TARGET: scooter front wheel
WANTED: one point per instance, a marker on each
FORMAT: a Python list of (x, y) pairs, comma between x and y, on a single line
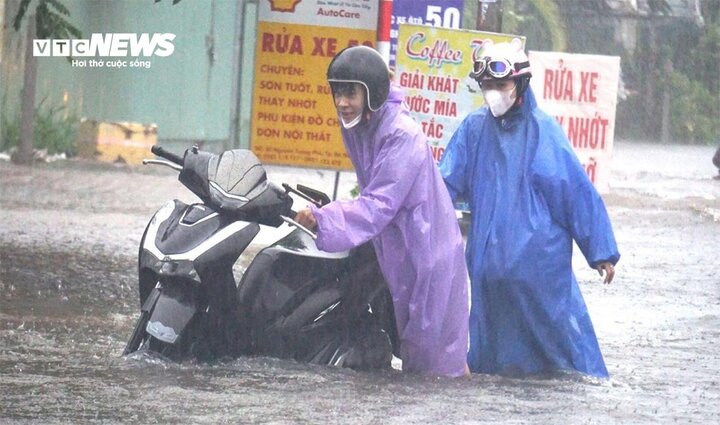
[(161, 348), (143, 341), (138, 333)]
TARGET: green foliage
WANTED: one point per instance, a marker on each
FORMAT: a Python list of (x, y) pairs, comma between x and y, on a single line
[(631, 120), (54, 128), (10, 135), (671, 56), (539, 20), (693, 110), (695, 87), (50, 19)]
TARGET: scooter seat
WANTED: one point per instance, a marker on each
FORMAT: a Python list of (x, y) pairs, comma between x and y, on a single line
[(298, 242)]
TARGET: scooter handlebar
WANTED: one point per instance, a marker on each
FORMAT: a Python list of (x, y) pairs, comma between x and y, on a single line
[(292, 222), (157, 150)]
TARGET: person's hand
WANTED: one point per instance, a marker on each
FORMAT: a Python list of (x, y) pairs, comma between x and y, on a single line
[(306, 218), (606, 269)]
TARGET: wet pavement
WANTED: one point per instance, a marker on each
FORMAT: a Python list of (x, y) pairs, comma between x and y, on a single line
[(68, 240)]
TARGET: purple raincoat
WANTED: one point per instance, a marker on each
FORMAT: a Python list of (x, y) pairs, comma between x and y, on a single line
[(404, 207)]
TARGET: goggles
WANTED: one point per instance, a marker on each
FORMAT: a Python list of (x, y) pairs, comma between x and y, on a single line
[(496, 68)]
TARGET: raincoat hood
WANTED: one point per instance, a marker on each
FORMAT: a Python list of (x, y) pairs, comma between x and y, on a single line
[(371, 120)]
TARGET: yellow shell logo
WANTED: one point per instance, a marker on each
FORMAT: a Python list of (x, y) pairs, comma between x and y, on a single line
[(283, 5)]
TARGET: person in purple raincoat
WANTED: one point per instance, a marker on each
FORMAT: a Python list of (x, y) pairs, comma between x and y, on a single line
[(405, 209)]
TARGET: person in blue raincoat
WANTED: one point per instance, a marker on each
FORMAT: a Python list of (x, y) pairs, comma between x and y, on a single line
[(405, 209), (529, 199)]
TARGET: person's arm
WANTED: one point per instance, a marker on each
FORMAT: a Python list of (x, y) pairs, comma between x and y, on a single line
[(589, 222), (453, 164), (576, 205), (345, 224)]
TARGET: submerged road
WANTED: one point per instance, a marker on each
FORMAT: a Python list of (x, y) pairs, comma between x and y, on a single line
[(68, 240)]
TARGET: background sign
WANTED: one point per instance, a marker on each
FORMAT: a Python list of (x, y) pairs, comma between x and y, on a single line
[(436, 13), (433, 66), (580, 91), (294, 120)]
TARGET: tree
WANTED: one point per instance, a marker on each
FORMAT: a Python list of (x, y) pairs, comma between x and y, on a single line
[(517, 17), (548, 17), (48, 21)]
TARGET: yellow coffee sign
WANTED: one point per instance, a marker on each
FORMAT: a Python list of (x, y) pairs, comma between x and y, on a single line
[(433, 65)]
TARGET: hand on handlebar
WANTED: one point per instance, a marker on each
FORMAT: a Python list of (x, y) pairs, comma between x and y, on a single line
[(306, 218)]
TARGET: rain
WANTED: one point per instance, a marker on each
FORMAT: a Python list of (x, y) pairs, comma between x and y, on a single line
[(70, 227)]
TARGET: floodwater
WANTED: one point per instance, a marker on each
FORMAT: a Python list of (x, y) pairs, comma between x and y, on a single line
[(68, 239)]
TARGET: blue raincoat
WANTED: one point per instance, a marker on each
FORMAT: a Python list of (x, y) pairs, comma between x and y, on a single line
[(530, 198), (405, 209)]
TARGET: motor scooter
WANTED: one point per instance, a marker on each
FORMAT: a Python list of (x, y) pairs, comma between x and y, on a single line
[(294, 301)]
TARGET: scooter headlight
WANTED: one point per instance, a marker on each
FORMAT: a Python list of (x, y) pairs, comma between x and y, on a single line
[(163, 213), (179, 268)]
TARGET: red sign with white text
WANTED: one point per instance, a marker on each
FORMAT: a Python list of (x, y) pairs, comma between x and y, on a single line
[(580, 91)]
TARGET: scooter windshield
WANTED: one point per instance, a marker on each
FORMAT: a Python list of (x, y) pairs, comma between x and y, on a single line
[(237, 174)]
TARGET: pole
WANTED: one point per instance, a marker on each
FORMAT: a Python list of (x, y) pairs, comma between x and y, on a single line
[(665, 120), (383, 29), (234, 130), (337, 183), (25, 150), (489, 16)]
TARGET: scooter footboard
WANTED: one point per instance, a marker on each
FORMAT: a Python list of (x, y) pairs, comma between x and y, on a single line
[(285, 335)]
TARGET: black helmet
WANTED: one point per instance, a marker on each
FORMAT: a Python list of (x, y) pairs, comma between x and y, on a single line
[(363, 65)]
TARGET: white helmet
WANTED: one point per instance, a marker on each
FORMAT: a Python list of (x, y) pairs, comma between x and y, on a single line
[(501, 60)]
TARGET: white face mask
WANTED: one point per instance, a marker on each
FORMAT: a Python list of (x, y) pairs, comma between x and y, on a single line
[(499, 101), (350, 124)]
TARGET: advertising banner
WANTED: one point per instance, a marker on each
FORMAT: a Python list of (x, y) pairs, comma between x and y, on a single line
[(294, 120), (580, 91), (433, 66), (436, 13)]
